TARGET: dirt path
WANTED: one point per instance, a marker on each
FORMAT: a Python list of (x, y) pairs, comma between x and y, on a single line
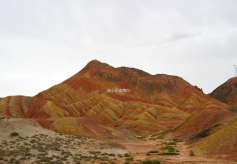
[(139, 152)]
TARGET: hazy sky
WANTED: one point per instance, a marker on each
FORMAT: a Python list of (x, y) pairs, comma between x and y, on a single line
[(44, 42)]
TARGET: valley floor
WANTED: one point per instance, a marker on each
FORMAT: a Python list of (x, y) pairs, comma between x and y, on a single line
[(181, 152), (25, 141)]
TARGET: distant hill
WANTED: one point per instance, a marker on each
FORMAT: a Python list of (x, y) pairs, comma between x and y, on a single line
[(227, 92)]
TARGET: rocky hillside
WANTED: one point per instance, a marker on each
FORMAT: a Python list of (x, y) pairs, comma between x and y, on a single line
[(227, 92), (103, 101), (214, 132)]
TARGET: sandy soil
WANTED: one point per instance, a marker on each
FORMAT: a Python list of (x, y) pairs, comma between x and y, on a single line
[(34, 144)]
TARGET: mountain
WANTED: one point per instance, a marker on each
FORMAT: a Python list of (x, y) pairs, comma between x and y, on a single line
[(153, 89), (102, 101), (227, 92)]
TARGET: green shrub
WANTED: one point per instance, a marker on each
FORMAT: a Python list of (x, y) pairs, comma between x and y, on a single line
[(2, 118), (129, 159), (120, 155), (160, 137), (177, 140), (126, 155), (147, 161), (153, 151), (170, 149), (170, 153), (13, 134), (170, 143)]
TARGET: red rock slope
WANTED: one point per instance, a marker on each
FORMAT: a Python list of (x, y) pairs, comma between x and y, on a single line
[(84, 104)]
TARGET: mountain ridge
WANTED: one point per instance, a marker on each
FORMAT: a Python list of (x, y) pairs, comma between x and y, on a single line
[(154, 103), (128, 77)]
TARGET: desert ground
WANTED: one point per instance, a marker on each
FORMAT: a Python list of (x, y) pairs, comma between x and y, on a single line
[(25, 141)]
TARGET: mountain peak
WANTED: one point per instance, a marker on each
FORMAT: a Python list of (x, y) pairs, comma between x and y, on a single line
[(95, 64), (95, 61)]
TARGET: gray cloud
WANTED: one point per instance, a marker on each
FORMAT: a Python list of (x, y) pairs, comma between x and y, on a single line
[(44, 42)]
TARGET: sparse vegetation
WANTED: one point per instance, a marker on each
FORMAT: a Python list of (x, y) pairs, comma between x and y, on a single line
[(2, 118), (177, 140), (126, 155), (148, 161), (13, 134), (170, 143), (169, 148), (120, 155), (170, 153), (153, 151), (66, 145), (129, 159), (204, 133)]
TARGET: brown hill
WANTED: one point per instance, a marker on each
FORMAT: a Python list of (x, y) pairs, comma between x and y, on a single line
[(227, 92), (103, 101)]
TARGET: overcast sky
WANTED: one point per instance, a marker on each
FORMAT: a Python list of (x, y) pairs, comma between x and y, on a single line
[(44, 42)]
